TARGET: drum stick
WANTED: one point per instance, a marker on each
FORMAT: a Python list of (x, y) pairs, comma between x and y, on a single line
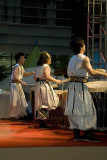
[(66, 80), (53, 85), (63, 81), (30, 84)]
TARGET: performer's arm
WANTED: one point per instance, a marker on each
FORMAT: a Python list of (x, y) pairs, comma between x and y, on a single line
[(49, 77), (86, 64), (16, 71), (26, 74)]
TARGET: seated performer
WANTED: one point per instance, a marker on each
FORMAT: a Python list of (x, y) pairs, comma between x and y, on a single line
[(45, 97), (79, 104), (18, 102)]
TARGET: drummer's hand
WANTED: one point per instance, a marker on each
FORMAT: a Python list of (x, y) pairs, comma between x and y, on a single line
[(24, 83), (59, 81)]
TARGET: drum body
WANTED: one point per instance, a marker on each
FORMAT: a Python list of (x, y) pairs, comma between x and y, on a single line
[(100, 101), (98, 90), (58, 112)]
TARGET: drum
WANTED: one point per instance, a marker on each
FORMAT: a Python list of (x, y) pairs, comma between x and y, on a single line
[(59, 94), (54, 113), (98, 90), (97, 86), (57, 116)]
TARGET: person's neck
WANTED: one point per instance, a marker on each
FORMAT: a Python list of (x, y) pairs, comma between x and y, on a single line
[(20, 64), (81, 52)]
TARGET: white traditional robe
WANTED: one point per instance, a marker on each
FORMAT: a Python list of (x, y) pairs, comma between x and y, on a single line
[(18, 101), (45, 96), (79, 104)]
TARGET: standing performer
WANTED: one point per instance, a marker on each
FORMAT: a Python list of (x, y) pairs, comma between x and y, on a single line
[(79, 105), (18, 102), (45, 97)]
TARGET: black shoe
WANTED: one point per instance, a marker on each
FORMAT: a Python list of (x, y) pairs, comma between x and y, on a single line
[(80, 138), (77, 136), (23, 119), (90, 139), (44, 127), (88, 136), (13, 119), (42, 124), (43, 113)]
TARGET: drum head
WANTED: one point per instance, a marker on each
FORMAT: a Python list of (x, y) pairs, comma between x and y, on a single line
[(59, 91)]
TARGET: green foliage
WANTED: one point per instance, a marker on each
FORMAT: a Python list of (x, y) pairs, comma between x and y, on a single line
[(32, 59), (60, 63)]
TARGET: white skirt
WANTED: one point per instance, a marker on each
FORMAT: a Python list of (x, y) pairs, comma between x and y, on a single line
[(80, 107), (18, 101), (45, 96)]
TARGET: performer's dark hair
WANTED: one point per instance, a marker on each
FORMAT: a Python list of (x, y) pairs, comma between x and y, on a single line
[(18, 55), (76, 44), (43, 58)]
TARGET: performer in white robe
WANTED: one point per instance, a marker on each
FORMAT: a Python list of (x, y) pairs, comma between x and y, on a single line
[(18, 101), (45, 97), (79, 104)]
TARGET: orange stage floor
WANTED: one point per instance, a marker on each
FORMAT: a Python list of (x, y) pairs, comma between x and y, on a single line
[(28, 134)]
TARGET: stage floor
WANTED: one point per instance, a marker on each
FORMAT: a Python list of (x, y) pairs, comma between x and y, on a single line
[(28, 134)]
